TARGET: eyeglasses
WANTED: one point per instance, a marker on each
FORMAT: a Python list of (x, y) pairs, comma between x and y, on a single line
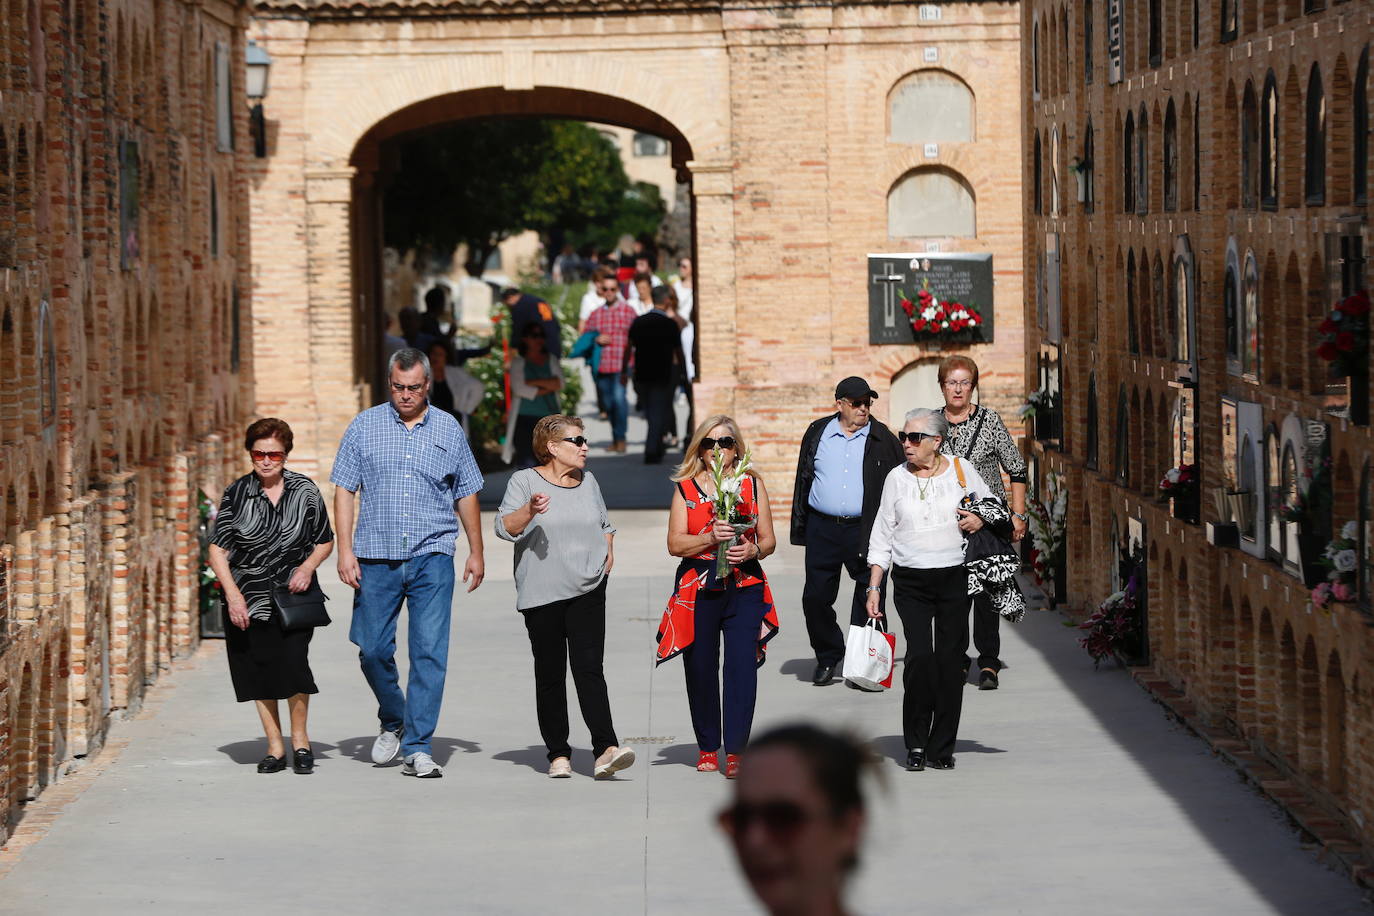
[(915, 438), (724, 442), (856, 403), (781, 819), (610, 289), (959, 385), (578, 441), (267, 456), (413, 389)]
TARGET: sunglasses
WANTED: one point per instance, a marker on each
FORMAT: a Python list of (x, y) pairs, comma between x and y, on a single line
[(267, 456), (915, 438), (724, 442), (781, 819), (578, 441), (859, 402)]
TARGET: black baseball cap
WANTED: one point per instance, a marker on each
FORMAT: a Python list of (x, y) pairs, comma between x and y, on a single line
[(855, 388)]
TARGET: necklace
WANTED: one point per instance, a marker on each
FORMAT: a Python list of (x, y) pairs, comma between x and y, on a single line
[(923, 490)]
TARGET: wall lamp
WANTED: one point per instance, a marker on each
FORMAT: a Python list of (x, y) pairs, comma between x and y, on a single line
[(259, 63)]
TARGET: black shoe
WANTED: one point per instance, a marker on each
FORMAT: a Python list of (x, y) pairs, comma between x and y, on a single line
[(942, 763), (303, 761), (270, 764), (987, 679), (916, 760), (824, 675)]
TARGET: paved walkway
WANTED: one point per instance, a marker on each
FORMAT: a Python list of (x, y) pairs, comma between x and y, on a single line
[(1074, 794)]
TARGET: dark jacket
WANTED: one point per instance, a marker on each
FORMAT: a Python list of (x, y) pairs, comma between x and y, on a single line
[(882, 453)]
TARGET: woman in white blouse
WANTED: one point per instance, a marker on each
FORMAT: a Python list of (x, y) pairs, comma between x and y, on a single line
[(919, 533)]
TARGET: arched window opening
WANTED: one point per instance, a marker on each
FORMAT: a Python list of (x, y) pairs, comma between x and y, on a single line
[(1269, 144), (1249, 488), (1132, 305), (1128, 165), (1182, 301), (1250, 342), (1197, 153), (1055, 200), (1037, 174), (1170, 159), (7, 227), (1273, 495), (1360, 146), (1229, 19), (214, 218), (1249, 150), (1156, 31), (931, 202), (1123, 438), (1088, 41), (1142, 163), (1085, 170), (1035, 59), (1230, 300), (1159, 309), (1365, 545), (1090, 437), (929, 106), (1314, 183)]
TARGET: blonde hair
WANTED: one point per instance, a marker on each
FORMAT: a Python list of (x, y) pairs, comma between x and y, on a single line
[(692, 462), (550, 428)]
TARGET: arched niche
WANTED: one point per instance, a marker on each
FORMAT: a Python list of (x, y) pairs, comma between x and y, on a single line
[(931, 202), (931, 106)]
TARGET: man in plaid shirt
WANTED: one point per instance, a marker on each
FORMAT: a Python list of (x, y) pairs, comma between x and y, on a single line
[(612, 323), (415, 469)]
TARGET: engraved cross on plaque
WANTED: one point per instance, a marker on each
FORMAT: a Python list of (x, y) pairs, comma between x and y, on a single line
[(887, 278)]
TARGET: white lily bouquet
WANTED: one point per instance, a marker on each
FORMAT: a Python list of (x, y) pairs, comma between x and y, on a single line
[(727, 480)]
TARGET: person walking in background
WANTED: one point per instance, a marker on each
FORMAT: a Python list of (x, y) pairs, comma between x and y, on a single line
[(271, 531), (418, 480), (797, 819), (612, 323), (455, 390), (536, 377), (564, 551), (704, 608), (843, 462), (978, 435), (591, 301), (642, 284), (525, 308), (431, 329), (685, 287), (919, 534), (656, 354)]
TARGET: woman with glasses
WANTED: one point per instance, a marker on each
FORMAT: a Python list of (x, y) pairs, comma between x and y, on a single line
[(271, 531), (978, 436), (705, 610), (555, 516), (919, 535), (536, 377), (797, 818)]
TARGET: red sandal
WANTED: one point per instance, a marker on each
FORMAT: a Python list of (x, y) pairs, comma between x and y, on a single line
[(731, 766), (708, 762)]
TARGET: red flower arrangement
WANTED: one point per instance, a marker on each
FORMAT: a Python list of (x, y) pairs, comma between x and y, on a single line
[(931, 318), (1343, 337)]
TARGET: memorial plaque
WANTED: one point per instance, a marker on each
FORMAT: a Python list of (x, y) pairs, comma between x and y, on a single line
[(963, 278)]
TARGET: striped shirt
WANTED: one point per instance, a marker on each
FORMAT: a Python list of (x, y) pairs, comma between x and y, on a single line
[(410, 479), (266, 542), (614, 321)]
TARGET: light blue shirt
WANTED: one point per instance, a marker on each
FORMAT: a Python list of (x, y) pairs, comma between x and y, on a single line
[(838, 487), (410, 480)]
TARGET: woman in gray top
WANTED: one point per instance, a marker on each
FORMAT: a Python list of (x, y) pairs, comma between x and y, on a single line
[(557, 520)]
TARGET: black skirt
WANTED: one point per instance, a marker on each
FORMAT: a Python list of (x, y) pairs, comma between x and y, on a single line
[(266, 663)]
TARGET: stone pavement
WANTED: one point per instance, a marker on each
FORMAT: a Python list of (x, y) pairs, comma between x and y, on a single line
[(1073, 793)]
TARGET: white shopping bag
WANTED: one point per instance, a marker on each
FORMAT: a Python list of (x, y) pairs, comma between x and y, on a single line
[(869, 654)]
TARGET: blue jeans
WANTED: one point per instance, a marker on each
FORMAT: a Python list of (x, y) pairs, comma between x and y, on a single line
[(425, 583), (611, 390)]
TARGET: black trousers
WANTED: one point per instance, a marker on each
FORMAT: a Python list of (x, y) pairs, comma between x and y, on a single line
[(833, 548), (657, 401), (571, 630), (933, 605), (986, 637), (524, 441)]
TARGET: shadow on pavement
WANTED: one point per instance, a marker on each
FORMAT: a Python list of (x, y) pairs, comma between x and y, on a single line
[(536, 757), (893, 747), (678, 755), (246, 752), (804, 669), (442, 748)]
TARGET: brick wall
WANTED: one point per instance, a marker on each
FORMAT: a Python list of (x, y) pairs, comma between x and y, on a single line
[(116, 380), (1233, 628)]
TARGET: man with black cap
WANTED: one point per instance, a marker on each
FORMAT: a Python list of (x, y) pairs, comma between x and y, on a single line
[(844, 459), (525, 309)]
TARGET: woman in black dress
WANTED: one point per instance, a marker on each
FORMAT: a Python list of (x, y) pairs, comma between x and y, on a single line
[(271, 530)]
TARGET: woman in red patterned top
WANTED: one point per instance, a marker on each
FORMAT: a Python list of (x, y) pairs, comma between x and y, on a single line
[(704, 607)]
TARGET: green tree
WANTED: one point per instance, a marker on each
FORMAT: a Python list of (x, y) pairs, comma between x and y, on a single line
[(480, 182)]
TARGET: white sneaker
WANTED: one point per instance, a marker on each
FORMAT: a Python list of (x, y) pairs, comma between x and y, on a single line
[(386, 747), (613, 760), (422, 765)]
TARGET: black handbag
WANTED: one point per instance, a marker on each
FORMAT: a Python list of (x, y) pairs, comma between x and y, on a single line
[(301, 610)]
